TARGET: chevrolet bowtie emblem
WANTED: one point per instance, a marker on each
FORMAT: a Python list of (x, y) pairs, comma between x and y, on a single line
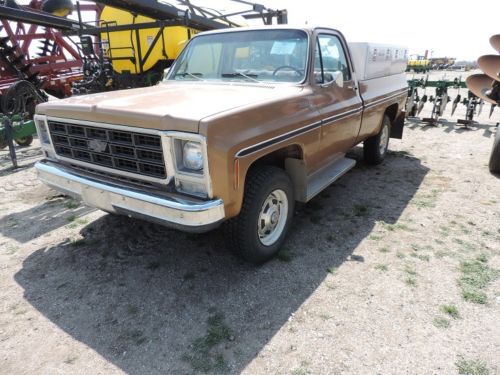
[(97, 145)]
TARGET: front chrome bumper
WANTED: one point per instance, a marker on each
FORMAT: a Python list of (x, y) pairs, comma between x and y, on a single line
[(187, 215)]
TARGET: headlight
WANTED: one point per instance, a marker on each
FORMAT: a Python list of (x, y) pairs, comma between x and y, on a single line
[(192, 156)]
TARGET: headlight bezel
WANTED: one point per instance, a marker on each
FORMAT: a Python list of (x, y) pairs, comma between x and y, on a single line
[(190, 181)]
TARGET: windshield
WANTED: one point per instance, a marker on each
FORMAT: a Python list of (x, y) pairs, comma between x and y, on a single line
[(251, 56)]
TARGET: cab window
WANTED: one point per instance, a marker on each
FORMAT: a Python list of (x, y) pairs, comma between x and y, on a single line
[(330, 58)]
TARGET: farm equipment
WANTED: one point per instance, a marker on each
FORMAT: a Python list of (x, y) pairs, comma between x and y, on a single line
[(415, 103), (486, 86)]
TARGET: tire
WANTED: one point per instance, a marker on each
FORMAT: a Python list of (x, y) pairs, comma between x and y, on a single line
[(375, 148), (24, 141), (494, 163), (268, 197)]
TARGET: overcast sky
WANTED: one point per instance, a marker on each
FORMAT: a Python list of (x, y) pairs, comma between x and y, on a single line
[(448, 28)]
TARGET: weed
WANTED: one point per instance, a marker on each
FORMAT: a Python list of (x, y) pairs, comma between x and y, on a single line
[(400, 255), (134, 335), (78, 242), (384, 249), (302, 370), (70, 360), (11, 249), (285, 255), (410, 270), (483, 258), (411, 281), (75, 222), (471, 367), (381, 267), (441, 322), (397, 226), (153, 265), (423, 257), (451, 310), (202, 356), (132, 310), (72, 204), (476, 275), (315, 218), (375, 237), (360, 210), (441, 254), (332, 270)]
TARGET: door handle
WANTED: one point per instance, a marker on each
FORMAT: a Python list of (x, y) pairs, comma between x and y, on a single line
[(352, 87)]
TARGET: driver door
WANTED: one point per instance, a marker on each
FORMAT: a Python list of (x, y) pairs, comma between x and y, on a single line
[(335, 97)]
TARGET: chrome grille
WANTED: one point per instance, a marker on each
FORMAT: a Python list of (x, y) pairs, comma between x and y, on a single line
[(131, 152)]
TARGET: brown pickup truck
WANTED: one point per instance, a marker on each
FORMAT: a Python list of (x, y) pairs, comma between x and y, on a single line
[(246, 122)]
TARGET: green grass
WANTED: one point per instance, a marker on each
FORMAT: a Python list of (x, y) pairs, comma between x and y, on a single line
[(441, 322), (411, 281), (78, 242), (410, 270), (471, 367), (451, 310), (382, 267), (331, 270), (75, 221), (476, 276), (203, 357), (397, 226), (72, 204)]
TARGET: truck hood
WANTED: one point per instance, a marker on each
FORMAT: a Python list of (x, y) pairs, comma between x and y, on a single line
[(167, 106)]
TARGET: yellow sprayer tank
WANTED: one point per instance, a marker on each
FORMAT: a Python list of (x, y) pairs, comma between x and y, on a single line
[(124, 43)]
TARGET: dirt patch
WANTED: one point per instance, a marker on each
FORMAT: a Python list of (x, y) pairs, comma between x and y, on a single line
[(376, 277)]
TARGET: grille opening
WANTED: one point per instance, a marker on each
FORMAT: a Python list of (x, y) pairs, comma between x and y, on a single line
[(81, 155), (59, 139), (120, 137), (76, 142), (57, 128), (137, 153), (76, 130), (147, 141), (96, 133), (122, 151), (64, 151), (156, 170), (102, 160), (150, 155), (127, 165)]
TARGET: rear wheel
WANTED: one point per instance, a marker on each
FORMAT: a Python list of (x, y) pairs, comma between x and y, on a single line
[(494, 164), (375, 148), (258, 232)]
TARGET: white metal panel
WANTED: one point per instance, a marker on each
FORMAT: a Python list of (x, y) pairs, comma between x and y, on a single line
[(372, 60)]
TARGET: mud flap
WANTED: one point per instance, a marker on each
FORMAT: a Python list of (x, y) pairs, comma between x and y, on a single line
[(397, 126)]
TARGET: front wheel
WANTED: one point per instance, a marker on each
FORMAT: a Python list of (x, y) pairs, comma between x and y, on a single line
[(258, 232), (375, 148)]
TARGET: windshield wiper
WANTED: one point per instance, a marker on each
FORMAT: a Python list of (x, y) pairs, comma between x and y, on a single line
[(194, 75), (249, 76)]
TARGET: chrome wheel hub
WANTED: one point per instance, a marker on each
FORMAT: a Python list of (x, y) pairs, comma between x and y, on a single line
[(272, 217)]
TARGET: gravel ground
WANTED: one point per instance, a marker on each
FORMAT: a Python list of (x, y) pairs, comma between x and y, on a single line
[(391, 270)]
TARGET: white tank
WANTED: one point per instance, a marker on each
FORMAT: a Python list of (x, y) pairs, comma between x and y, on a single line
[(372, 60)]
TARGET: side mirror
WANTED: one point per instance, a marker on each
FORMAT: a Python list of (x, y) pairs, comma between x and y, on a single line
[(334, 78)]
